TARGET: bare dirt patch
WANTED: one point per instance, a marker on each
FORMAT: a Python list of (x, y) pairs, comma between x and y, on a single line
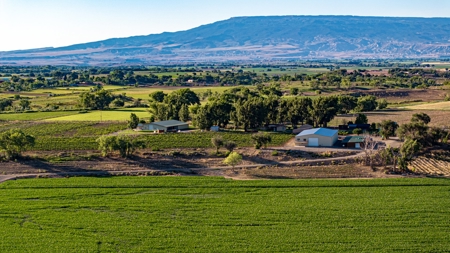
[(438, 118)]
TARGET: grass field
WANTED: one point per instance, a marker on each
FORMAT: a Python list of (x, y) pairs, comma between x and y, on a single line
[(431, 106), (114, 115), (194, 214), (35, 115)]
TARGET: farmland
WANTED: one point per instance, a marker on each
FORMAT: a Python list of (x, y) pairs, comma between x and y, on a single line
[(186, 214)]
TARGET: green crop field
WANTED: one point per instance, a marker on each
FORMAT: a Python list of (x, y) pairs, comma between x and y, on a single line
[(201, 214), (35, 115), (112, 115)]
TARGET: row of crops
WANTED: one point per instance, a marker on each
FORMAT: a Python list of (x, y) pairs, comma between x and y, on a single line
[(429, 166), (159, 141), (82, 136), (69, 129)]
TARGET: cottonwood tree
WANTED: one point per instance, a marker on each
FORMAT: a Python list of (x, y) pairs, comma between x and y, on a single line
[(14, 142)]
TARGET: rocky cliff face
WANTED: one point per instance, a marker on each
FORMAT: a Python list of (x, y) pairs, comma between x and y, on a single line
[(261, 39)]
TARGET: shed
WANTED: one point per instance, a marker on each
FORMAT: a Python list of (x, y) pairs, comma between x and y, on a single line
[(317, 137), (276, 127), (302, 128), (353, 141), (166, 126)]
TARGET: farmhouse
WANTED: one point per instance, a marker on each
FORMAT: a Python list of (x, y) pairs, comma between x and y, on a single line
[(317, 137), (353, 141), (164, 126)]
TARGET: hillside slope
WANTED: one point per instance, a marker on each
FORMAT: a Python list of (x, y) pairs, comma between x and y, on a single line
[(261, 38)]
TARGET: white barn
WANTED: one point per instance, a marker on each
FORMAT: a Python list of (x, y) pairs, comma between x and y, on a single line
[(317, 137)]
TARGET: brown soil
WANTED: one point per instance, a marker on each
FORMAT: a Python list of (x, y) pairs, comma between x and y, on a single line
[(404, 95), (438, 118)]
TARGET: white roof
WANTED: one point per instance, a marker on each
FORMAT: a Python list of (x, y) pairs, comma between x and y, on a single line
[(319, 131)]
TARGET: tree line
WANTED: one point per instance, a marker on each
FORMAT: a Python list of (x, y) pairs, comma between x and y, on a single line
[(252, 109)]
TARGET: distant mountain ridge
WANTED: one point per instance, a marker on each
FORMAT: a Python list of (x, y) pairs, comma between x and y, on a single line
[(260, 39)]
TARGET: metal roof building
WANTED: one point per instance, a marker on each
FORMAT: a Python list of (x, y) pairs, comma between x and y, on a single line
[(317, 137), (166, 126)]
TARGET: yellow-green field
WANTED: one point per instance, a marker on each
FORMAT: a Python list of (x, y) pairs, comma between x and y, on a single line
[(113, 115), (431, 106)]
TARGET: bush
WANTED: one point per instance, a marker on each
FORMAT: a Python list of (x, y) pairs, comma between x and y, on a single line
[(233, 159)]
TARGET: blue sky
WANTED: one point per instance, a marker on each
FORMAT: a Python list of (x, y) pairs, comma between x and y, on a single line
[(28, 24)]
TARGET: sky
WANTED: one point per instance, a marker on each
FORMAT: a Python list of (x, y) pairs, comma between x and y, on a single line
[(26, 24)]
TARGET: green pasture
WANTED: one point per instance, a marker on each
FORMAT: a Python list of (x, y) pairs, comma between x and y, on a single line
[(109, 115), (201, 214), (29, 116)]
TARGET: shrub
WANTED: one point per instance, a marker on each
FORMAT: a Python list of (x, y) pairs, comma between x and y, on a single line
[(233, 159)]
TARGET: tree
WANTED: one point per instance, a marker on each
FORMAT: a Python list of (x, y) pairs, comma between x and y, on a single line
[(382, 104), (323, 110), (294, 91), (233, 159), (366, 104), (407, 151), (24, 104), (413, 131), (217, 142), (133, 122), (14, 142), (357, 131), (250, 114), (361, 119), (298, 110), (4, 103), (346, 103), (106, 144), (421, 118), (388, 128), (126, 145), (118, 102), (229, 145), (157, 96), (261, 139), (183, 114)]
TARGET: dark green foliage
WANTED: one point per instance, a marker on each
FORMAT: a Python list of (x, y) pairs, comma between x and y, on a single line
[(126, 145), (361, 119), (357, 131), (229, 145), (14, 141), (421, 118), (4, 103), (346, 103), (133, 122), (388, 128), (98, 100), (217, 142), (294, 91), (261, 139), (366, 104), (323, 110), (157, 96)]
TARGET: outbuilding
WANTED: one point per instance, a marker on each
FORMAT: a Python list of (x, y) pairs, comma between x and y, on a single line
[(353, 142), (317, 137), (302, 128), (164, 126)]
